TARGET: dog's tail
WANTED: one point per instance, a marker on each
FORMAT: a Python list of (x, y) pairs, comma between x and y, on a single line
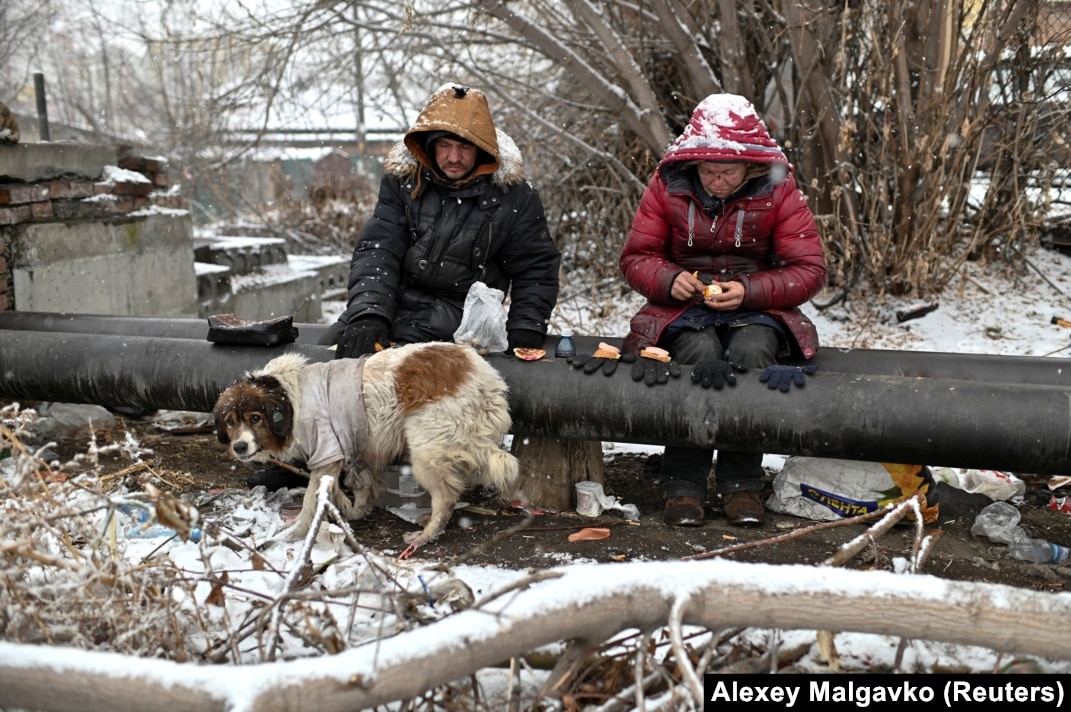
[(500, 471)]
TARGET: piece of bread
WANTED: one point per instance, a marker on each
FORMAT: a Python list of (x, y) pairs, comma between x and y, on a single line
[(529, 354), (656, 353), (606, 350)]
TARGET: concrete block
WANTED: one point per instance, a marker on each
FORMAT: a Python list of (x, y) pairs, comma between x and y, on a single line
[(32, 162), (140, 266), (243, 255), (275, 291), (333, 273)]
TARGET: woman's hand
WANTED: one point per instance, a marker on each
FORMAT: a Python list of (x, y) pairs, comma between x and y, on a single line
[(686, 286), (731, 297)]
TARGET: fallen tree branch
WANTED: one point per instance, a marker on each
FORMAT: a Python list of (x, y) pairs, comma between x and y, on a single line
[(590, 602)]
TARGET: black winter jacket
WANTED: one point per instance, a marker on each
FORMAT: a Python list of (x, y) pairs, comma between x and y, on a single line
[(418, 255)]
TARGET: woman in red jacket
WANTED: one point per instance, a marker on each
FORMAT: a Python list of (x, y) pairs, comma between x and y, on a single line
[(722, 208)]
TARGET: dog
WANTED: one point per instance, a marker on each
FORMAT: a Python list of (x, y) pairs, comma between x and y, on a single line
[(439, 403)]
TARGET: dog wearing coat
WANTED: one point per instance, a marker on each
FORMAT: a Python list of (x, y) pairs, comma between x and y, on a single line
[(441, 404)]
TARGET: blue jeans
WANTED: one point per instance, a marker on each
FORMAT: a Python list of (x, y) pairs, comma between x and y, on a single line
[(685, 471)]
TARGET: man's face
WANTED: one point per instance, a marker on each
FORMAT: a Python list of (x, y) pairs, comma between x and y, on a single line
[(721, 179), (455, 158)]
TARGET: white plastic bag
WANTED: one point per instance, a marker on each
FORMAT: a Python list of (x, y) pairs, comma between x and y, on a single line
[(483, 324), (996, 485)]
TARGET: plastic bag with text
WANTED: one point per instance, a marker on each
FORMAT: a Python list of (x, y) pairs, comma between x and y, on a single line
[(826, 489), (483, 325)]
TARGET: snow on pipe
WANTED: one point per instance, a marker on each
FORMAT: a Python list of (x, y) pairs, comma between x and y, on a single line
[(933, 421), (971, 367)]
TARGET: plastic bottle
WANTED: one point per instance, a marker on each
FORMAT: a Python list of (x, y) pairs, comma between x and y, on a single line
[(565, 348), (143, 529), (1000, 522)]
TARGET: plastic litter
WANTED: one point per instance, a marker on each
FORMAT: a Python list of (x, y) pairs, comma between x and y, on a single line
[(591, 501), (998, 486), (145, 525), (1060, 504), (402, 489), (1000, 523)]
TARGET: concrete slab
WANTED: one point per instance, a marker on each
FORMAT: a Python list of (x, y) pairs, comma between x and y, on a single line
[(139, 266), (32, 162)]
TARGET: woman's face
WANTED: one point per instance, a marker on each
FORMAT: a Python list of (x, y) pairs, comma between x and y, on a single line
[(721, 179)]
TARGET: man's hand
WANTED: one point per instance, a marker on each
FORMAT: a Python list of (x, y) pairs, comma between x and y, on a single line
[(361, 337), (589, 364), (523, 339), (782, 377), (715, 374)]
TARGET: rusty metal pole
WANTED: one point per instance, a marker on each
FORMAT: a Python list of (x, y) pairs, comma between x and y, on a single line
[(42, 107)]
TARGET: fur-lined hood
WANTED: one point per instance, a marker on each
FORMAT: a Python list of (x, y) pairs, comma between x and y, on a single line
[(464, 112)]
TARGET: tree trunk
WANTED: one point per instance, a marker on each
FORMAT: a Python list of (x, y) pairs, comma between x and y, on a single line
[(551, 466)]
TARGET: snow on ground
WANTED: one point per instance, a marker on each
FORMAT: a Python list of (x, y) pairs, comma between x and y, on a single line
[(977, 313)]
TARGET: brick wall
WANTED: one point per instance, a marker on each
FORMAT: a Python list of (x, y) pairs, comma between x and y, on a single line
[(134, 182), (146, 184)]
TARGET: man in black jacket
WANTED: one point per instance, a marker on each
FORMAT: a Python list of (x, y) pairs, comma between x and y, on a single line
[(454, 208)]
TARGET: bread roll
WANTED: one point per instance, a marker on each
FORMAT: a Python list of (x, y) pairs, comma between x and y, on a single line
[(656, 353)]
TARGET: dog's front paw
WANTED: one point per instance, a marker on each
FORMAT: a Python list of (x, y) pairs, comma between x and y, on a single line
[(415, 540)]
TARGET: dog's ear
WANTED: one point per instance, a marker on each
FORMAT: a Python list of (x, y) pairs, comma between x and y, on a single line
[(224, 406), (279, 412), (219, 416)]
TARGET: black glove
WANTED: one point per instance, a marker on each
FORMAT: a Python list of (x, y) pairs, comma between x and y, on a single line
[(715, 374), (590, 364), (652, 371), (782, 377), (361, 337), (523, 339)]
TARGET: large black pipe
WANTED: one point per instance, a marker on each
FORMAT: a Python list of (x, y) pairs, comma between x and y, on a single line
[(933, 421), (932, 364)]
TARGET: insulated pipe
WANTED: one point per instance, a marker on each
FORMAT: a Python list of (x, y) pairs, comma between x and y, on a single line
[(955, 423), (970, 367), (168, 327)]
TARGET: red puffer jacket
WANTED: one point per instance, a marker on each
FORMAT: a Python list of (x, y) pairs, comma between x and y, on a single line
[(765, 238)]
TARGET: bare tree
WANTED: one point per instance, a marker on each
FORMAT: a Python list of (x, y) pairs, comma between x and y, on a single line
[(887, 110), (22, 24)]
